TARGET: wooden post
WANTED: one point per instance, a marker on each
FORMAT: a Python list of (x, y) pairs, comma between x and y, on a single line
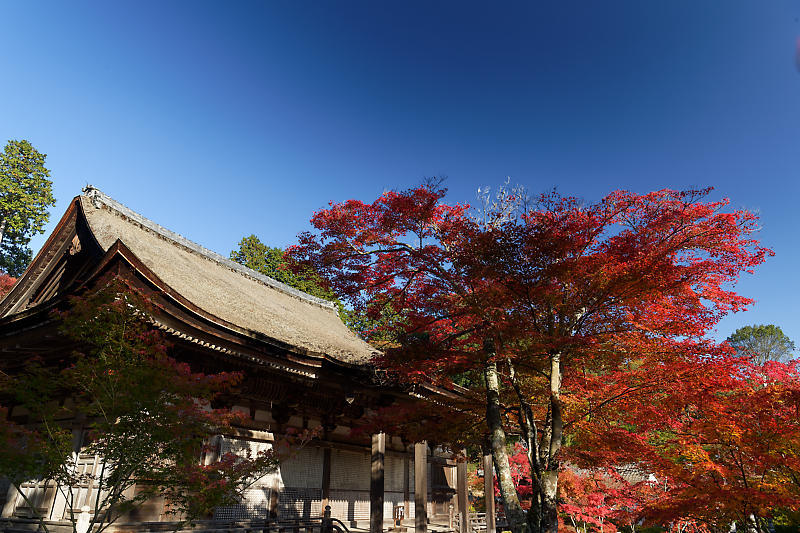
[(461, 494), (326, 477), (11, 501), (406, 488), (421, 487), (327, 523), (488, 489), (376, 486)]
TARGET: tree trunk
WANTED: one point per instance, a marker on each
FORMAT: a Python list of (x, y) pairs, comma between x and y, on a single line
[(531, 438), (550, 462), (2, 229), (549, 512), (497, 440)]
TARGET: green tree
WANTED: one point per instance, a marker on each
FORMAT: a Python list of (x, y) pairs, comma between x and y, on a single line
[(272, 262), (763, 342), (275, 263), (14, 256), (25, 194)]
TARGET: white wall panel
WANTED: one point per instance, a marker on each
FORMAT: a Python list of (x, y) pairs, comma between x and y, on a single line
[(303, 469), (350, 470), (393, 473)]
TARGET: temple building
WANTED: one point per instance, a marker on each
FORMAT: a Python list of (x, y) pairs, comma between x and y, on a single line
[(304, 369)]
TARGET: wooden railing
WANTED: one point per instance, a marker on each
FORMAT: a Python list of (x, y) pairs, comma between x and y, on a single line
[(476, 523)]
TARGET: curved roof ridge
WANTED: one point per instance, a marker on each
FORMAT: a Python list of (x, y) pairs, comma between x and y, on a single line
[(99, 198)]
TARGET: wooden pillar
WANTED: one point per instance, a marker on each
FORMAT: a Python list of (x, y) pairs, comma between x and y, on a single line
[(376, 486), (488, 489), (421, 487), (326, 477), (406, 487), (461, 494), (11, 502)]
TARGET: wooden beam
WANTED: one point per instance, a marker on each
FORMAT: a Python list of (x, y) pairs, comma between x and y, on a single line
[(376, 486), (488, 490), (421, 487), (461, 494)]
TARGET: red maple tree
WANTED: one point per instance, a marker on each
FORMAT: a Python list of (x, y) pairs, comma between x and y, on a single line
[(6, 283), (544, 300), (723, 441)]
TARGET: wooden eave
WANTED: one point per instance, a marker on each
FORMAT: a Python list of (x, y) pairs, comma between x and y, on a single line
[(49, 258), (178, 318)]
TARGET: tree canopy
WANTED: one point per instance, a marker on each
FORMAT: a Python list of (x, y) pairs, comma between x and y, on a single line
[(272, 262), (565, 307), (763, 343), (25, 194)]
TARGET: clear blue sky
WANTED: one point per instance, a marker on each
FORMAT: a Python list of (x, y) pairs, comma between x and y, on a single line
[(220, 119)]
